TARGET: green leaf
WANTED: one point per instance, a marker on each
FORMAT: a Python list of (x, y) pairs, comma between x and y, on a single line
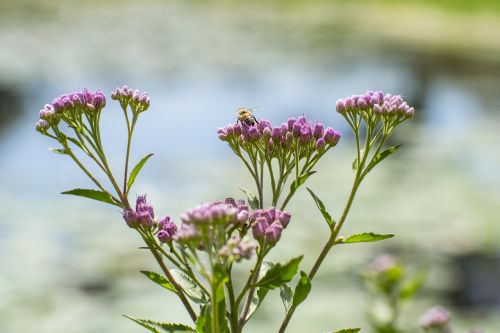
[(158, 327), (192, 290), (348, 330), (366, 237), (93, 194), (380, 157), (301, 180), (160, 280), (61, 151), (286, 294), (257, 299), (411, 286), (302, 289), (135, 171), (322, 209), (279, 274), (252, 198)]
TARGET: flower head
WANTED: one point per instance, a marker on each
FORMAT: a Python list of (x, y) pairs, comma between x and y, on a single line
[(268, 224), (138, 101), (385, 106), (167, 229), (142, 216), (237, 249)]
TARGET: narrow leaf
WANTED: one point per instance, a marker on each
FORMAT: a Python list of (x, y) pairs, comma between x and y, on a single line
[(348, 330), (286, 294), (301, 180), (158, 327), (158, 279), (135, 171), (58, 151), (279, 274), (93, 194), (322, 209), (366, 237), (192, 290), (302, 289), (380, 157), (252, 198)]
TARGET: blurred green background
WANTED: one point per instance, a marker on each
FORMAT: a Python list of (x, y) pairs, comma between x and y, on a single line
[(70, 265)]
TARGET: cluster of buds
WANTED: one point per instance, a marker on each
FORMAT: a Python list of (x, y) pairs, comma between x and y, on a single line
[(268, 224), (297, 132), (70, 107), (435, 319), (211, 219), (384, 106), (167, 229), (237, 249), (143, 215), (138, 101)]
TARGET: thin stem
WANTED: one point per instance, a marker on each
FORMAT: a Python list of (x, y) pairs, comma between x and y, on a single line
[(232, 302), (170, 278), (333, 236)]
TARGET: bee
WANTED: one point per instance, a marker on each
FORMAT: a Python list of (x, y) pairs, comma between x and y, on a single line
[(245, 115)]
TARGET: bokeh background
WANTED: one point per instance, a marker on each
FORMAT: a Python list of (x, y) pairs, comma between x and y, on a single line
[(71, 265)]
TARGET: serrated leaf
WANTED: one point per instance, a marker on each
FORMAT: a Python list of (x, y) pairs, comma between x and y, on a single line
[(192, 290), (160, 280), (135, 171), (322, 209), (348, 330), (93, 194), (58, 151), (302, 289), (301, 180), (279, 274), (380, 157), (158, 327), (366, 237), (411, 286), (286, 294), (252, 198)]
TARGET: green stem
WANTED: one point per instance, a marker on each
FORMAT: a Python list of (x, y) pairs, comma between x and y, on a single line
[(170, 278)]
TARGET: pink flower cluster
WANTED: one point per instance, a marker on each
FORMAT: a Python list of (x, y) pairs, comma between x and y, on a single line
[(381, 104), (219, 212), (295, 131), (70, 105), (268, 224), (126, 96)]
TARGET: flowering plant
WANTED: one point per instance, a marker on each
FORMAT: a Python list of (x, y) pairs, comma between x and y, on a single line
[(197, 257)]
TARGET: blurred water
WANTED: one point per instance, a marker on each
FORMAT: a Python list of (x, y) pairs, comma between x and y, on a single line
[(66, 262)]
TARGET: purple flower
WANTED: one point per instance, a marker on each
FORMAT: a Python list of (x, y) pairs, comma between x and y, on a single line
[(139, 101), (386, 105), (318, 130), (42, 126), (268, 224), (215, 213), (273, 233), (383, 263), (167, 229), (320, 144), (435, 317), (131, 218), (186, 234)]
